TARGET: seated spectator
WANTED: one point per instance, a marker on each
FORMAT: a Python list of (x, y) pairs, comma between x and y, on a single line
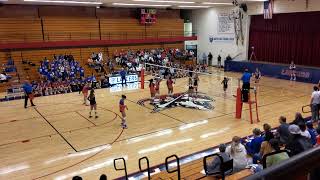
[(318, 137), (214, 165), (298, 119), (3, 77), (313, 133), (276, 158), (253, 147), (304, 131), (266, 146), (267, 130), (297, 142), (283, 130), (238, 153)]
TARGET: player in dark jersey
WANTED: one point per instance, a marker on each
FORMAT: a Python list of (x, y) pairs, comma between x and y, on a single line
[(170, 86), (225, 84), (93, 103), (257, 75), (123, 109), (195, 82)]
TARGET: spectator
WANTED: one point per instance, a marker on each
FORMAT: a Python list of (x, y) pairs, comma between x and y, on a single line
[(214, 166), (297, 142), (103, 177), (298, 119), (276, 158), (318, 137), (283, 130), (3, 77), (266, 146), (313, 133), (314, 104), (253, 147), (304, 131), (238, 153), (219, 61), (76, 178), (210, 57), (267, 131)]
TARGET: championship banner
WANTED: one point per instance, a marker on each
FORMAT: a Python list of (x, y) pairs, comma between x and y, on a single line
[(225, 24)]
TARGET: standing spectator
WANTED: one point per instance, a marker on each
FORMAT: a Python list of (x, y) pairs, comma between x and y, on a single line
[(219, 61), (253, 147), (214, 165), (204, 58), (210, 59), (27, 88), (238, 153), (314, 103), (123, 74), (283, 130), (297, 142)]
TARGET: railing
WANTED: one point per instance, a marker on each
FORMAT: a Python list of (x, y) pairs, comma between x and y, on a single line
[(305, 165), (73, 36)]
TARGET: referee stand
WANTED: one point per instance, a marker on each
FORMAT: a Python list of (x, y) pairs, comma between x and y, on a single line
[(252, 103)]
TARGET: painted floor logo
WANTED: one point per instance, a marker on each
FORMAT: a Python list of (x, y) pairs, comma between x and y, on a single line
[(198, 101)]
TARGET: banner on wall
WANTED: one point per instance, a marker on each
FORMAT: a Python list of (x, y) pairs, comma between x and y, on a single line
[(221, 39), (225, 24)]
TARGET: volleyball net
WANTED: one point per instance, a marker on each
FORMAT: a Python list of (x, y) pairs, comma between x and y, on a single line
[(208, 82)]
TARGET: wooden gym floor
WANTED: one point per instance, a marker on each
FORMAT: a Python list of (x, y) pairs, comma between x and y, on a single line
[(57, 140)]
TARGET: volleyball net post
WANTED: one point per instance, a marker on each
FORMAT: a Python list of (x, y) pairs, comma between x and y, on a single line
[(142, 78)]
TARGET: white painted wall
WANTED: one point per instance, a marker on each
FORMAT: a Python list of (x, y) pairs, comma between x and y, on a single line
[(205, 23)]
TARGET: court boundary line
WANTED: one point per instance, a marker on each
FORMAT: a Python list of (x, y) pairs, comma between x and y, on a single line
[(56, 130)]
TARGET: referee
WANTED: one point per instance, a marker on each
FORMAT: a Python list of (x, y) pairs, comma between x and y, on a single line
[(246, 85), (27, 88)]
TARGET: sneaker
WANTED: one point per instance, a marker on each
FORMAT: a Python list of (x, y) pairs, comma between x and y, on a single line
[(96, 116), (90, 116), (125, 127), (25, 107), (33, 105)]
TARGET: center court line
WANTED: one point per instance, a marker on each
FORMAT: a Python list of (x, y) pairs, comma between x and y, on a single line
[(56, 130)]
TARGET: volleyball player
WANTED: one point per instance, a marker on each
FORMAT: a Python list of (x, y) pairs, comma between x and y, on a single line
[(157, 86), (292, 67), (85, 91), (196, 82), (257, 75), (152, 90), (123, 109), (191, 89), (93, 103), (225, 84), (170, 86)]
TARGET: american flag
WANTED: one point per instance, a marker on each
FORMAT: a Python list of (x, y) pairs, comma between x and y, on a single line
[(268, 9)]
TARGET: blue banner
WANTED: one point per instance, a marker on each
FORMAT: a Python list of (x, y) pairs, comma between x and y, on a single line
[(303, 74)]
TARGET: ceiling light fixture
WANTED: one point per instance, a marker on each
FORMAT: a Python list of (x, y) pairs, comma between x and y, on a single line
[(213, 3), (144, 5), (162, 1), (193, 6), (65, 2)]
